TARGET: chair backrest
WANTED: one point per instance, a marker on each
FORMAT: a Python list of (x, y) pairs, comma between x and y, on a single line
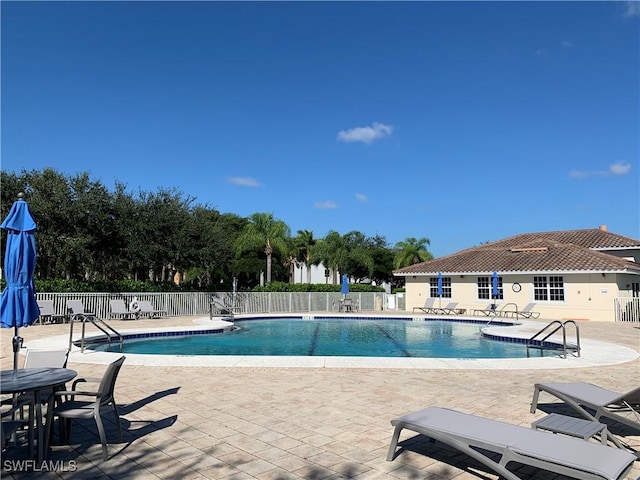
[(528, 307), (118, 306), (46, 307), (430, 302), (108, 382), (450, 305), (76, 307), (217, 301), (633, 397), (145, 306), (46, 358)]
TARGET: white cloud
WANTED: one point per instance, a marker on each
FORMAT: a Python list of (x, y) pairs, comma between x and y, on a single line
[(566, 44), (365, 134), (325, 205), (633, 9), (361, 197), (244, 181), (620, 168), (615, 169)]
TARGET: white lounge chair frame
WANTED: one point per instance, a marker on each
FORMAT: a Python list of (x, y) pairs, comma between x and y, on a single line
[(556, 453)]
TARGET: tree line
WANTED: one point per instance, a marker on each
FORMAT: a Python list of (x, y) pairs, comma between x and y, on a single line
[(87, 232)]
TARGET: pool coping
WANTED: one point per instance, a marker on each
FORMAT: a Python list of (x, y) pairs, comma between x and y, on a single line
[(594, 353)]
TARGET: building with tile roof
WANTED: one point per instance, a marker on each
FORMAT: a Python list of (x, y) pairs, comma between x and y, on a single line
[(589, 274)]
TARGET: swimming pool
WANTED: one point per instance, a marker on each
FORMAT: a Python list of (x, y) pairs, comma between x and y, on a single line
[(331, 336)]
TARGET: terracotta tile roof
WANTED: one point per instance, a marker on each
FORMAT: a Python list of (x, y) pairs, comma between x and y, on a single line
[(565, 251), (593, 238)]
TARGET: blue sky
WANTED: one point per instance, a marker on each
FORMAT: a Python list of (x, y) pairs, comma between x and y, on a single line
[(462, 122)]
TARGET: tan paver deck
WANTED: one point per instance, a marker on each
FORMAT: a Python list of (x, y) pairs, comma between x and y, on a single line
[(301, 423)]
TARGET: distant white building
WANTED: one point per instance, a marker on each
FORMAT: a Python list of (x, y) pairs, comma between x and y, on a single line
[(318, 274)]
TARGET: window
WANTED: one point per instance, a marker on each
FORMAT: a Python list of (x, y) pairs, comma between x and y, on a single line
[(548, 288), (485, 287), (446, 287)]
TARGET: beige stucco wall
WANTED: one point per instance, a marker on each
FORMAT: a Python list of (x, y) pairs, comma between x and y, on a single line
[(587, 296)]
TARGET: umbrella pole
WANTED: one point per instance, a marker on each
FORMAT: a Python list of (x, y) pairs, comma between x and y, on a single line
[(17, 344)]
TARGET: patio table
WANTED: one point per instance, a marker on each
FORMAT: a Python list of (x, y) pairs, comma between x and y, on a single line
[(36, 380)]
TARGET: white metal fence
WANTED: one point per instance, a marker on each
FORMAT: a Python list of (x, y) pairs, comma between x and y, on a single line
[(198, 303), (627, 309)]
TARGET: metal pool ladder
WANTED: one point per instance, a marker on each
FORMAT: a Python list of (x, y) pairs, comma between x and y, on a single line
[(110, 332), (538, 340)]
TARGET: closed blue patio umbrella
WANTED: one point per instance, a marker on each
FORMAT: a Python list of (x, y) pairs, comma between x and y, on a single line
[(18, 306), (345, 285), (440, 288), (494, 287)]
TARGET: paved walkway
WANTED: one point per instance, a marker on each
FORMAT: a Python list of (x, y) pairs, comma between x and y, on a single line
[(279, 423)]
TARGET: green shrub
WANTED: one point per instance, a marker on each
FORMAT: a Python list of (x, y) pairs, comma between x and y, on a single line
[(314, 287)]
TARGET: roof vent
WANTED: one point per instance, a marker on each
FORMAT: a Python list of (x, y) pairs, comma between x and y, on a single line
[(603, 228), (530, 249)]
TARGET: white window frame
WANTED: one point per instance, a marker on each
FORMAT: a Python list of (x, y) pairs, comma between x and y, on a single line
[(548, 288), (446, 287), (484, 286)]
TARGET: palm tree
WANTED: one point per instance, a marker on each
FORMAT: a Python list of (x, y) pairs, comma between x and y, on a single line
[(305, 241), (333, 252), (264, 231), (291, 257), (411, 251)]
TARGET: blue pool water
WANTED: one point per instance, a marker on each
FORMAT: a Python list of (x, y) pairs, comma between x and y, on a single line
[(334, 337)]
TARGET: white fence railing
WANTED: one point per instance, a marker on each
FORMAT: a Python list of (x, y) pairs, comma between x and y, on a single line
[(627, 309), (198, 303)]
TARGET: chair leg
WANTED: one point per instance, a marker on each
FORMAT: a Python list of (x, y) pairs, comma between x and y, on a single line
[(117, 414), (65, 429), (103, 438)]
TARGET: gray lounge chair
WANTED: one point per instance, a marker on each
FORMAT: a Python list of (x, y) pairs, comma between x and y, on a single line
[(219, 307), (428, 307), (475, 435), (76, 307), (119, 310), (526, 312), (451, 308), (146, 308), (48, 313), (603, 402), (486, 311)]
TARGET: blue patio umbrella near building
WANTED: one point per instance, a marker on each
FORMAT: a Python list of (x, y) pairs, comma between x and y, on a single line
[(494, 288), (345, 285), (439, 291), (18, 306)]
